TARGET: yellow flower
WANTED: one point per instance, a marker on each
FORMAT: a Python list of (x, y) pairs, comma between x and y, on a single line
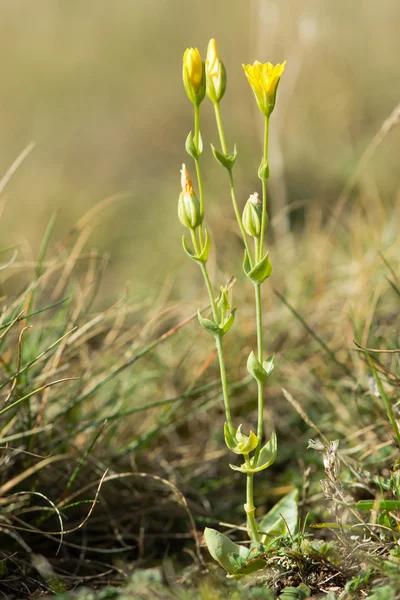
[(264, 80), (215, 73), (193, 75)]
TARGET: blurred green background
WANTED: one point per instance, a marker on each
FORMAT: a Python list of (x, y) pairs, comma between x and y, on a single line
[(97, 86)]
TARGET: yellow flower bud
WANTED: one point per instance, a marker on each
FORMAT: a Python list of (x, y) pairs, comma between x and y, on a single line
[(189, 211), (215, 73), (193, 75), (264, 80), (252, 216)]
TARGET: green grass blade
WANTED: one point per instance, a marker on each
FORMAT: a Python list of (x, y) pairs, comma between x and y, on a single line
[(385, 399)]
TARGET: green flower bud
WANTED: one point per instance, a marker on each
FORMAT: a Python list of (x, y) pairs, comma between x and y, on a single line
[(189, 212), (223, 300), (252, 216), (215, 73)]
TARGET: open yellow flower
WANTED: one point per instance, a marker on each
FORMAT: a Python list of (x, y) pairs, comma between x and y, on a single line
[(264, 80), (193, 75)]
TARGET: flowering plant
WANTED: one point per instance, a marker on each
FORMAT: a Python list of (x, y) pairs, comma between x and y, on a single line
[(257, 454)]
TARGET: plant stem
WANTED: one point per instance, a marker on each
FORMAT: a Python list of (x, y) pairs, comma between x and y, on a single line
[(249, 506), (220, 129), (197, 163), (232, 183), (264, 191), (260, 385), (218, 341), (224, 383), (258, 301)]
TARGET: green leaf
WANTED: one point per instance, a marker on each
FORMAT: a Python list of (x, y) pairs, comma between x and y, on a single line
[(263, 170), (209, 325), (222, 548), (376, 505), (238, 442), (230, 437), (260, 272), (291, 593), (191, 148), (203, 256), (273, 524), (269, 364), (265, 459), (187, 249), (267, 454), (255, 369), (224, 160), (225, 327)]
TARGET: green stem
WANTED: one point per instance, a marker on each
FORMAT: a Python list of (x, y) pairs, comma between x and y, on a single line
[(220, 129), (218, 343), (207, 281), (232, 183), (224, 383), (196, 125), (194, 241), (264, 191), (249, 506), (197, 163), (260, 385), (210, 291)]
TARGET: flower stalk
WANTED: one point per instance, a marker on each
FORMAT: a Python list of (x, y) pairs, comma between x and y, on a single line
[(209, 78)]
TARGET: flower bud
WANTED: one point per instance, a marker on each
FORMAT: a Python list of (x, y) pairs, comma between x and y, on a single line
[(193, 74), (189, 212), (215, 73), (223, 300), (264, 80), (252, 216)]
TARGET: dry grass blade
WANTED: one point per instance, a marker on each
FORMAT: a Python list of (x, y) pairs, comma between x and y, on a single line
[(34, 392), (59, 517), (15, 378), (6, 487), (390, 123), (15, 165)]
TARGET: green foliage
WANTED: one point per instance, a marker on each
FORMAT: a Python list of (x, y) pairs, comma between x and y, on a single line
[(228, 554), (299, 593), (261, 270), (225, 160), (282, 518), (264, 460)]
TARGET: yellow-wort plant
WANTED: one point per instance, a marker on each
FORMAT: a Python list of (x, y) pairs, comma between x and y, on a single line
[(201, 78)]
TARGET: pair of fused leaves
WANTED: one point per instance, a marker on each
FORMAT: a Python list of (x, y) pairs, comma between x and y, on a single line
[(260, 372), (217, 330), (239, 560), (260, 272), (265, 458), (194, 150), (202, 256), (263, 170), (238, 442), (225, 160)]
